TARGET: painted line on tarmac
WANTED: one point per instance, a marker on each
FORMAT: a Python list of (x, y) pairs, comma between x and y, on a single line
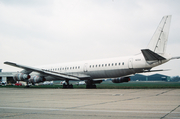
[(74, 110)]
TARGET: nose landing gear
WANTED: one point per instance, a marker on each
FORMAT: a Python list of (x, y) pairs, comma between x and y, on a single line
[(67, 85)]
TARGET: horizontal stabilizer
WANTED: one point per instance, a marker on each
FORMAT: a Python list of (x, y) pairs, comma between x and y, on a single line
[(175, 58), (151, 56)]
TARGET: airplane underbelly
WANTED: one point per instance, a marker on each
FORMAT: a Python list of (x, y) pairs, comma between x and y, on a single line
[(110, 73)]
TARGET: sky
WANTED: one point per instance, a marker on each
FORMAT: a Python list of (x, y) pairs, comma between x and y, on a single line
[(39, 32)]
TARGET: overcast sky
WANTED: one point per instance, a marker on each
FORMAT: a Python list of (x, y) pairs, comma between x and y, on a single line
[(38, 32)]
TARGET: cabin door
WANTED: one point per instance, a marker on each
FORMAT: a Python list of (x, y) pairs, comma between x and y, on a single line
[(86, 67), (130, 64)]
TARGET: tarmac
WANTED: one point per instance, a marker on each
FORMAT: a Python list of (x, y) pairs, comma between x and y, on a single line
[(24, 103)]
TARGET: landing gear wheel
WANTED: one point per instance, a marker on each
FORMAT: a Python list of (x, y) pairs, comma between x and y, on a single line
[(67, 86), (90, 86), (71, 86), (64, 86), (27, 85)]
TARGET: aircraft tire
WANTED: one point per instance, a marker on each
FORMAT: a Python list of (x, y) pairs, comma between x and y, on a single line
[(27, 86), (64, 86), (90, 86), (71, 86), (67, 86)]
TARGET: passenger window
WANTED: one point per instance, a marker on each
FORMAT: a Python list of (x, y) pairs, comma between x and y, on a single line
[(90, 66), (102, 65), (112, 64), (78, 67), (119, 63), (123, 63), (105, 64), (109, 65), (93, 66), (116, 64), (99, 65)]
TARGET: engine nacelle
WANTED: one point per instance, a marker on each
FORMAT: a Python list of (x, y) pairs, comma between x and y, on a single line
[(21, 77), (121, 80), (37, 79)]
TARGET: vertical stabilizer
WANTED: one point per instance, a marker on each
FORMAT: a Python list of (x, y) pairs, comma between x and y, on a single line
[(160, 37)]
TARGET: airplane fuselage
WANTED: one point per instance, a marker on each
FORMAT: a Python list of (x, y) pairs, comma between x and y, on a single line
[(103, 68)]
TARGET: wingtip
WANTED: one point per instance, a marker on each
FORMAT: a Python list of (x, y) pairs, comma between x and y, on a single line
[(5, 62), (9, 63)]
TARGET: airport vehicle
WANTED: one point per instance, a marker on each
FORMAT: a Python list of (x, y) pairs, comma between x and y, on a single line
[(94, 71), (18, 84), (3, 83)]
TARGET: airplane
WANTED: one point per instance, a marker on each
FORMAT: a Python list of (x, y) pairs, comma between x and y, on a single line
[(94, 71), (81, 83), (47, 83)]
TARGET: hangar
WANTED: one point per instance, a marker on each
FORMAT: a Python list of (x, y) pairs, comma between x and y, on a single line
[(7, 77), (154, 77)]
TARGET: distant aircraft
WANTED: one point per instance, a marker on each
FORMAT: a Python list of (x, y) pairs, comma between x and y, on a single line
[(94, 71), (81, 83), (47, 83)]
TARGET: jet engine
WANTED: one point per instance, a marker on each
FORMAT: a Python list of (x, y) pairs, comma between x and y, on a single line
[(21, 77), (121, 80), (36, 79)]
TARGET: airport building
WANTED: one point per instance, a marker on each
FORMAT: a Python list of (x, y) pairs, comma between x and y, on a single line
[(154, 77), (7, 77)]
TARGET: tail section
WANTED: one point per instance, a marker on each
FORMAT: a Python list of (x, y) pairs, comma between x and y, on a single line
[(160, 37)]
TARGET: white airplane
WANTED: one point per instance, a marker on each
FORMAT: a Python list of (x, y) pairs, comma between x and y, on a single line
[(81, 83), (94, 71), (47, 83)]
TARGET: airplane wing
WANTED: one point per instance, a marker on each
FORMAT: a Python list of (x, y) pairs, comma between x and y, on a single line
[(28, 70)]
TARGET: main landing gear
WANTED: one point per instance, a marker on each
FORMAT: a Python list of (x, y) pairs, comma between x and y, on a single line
[(66, 85), (27, 85), (90, 84)]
